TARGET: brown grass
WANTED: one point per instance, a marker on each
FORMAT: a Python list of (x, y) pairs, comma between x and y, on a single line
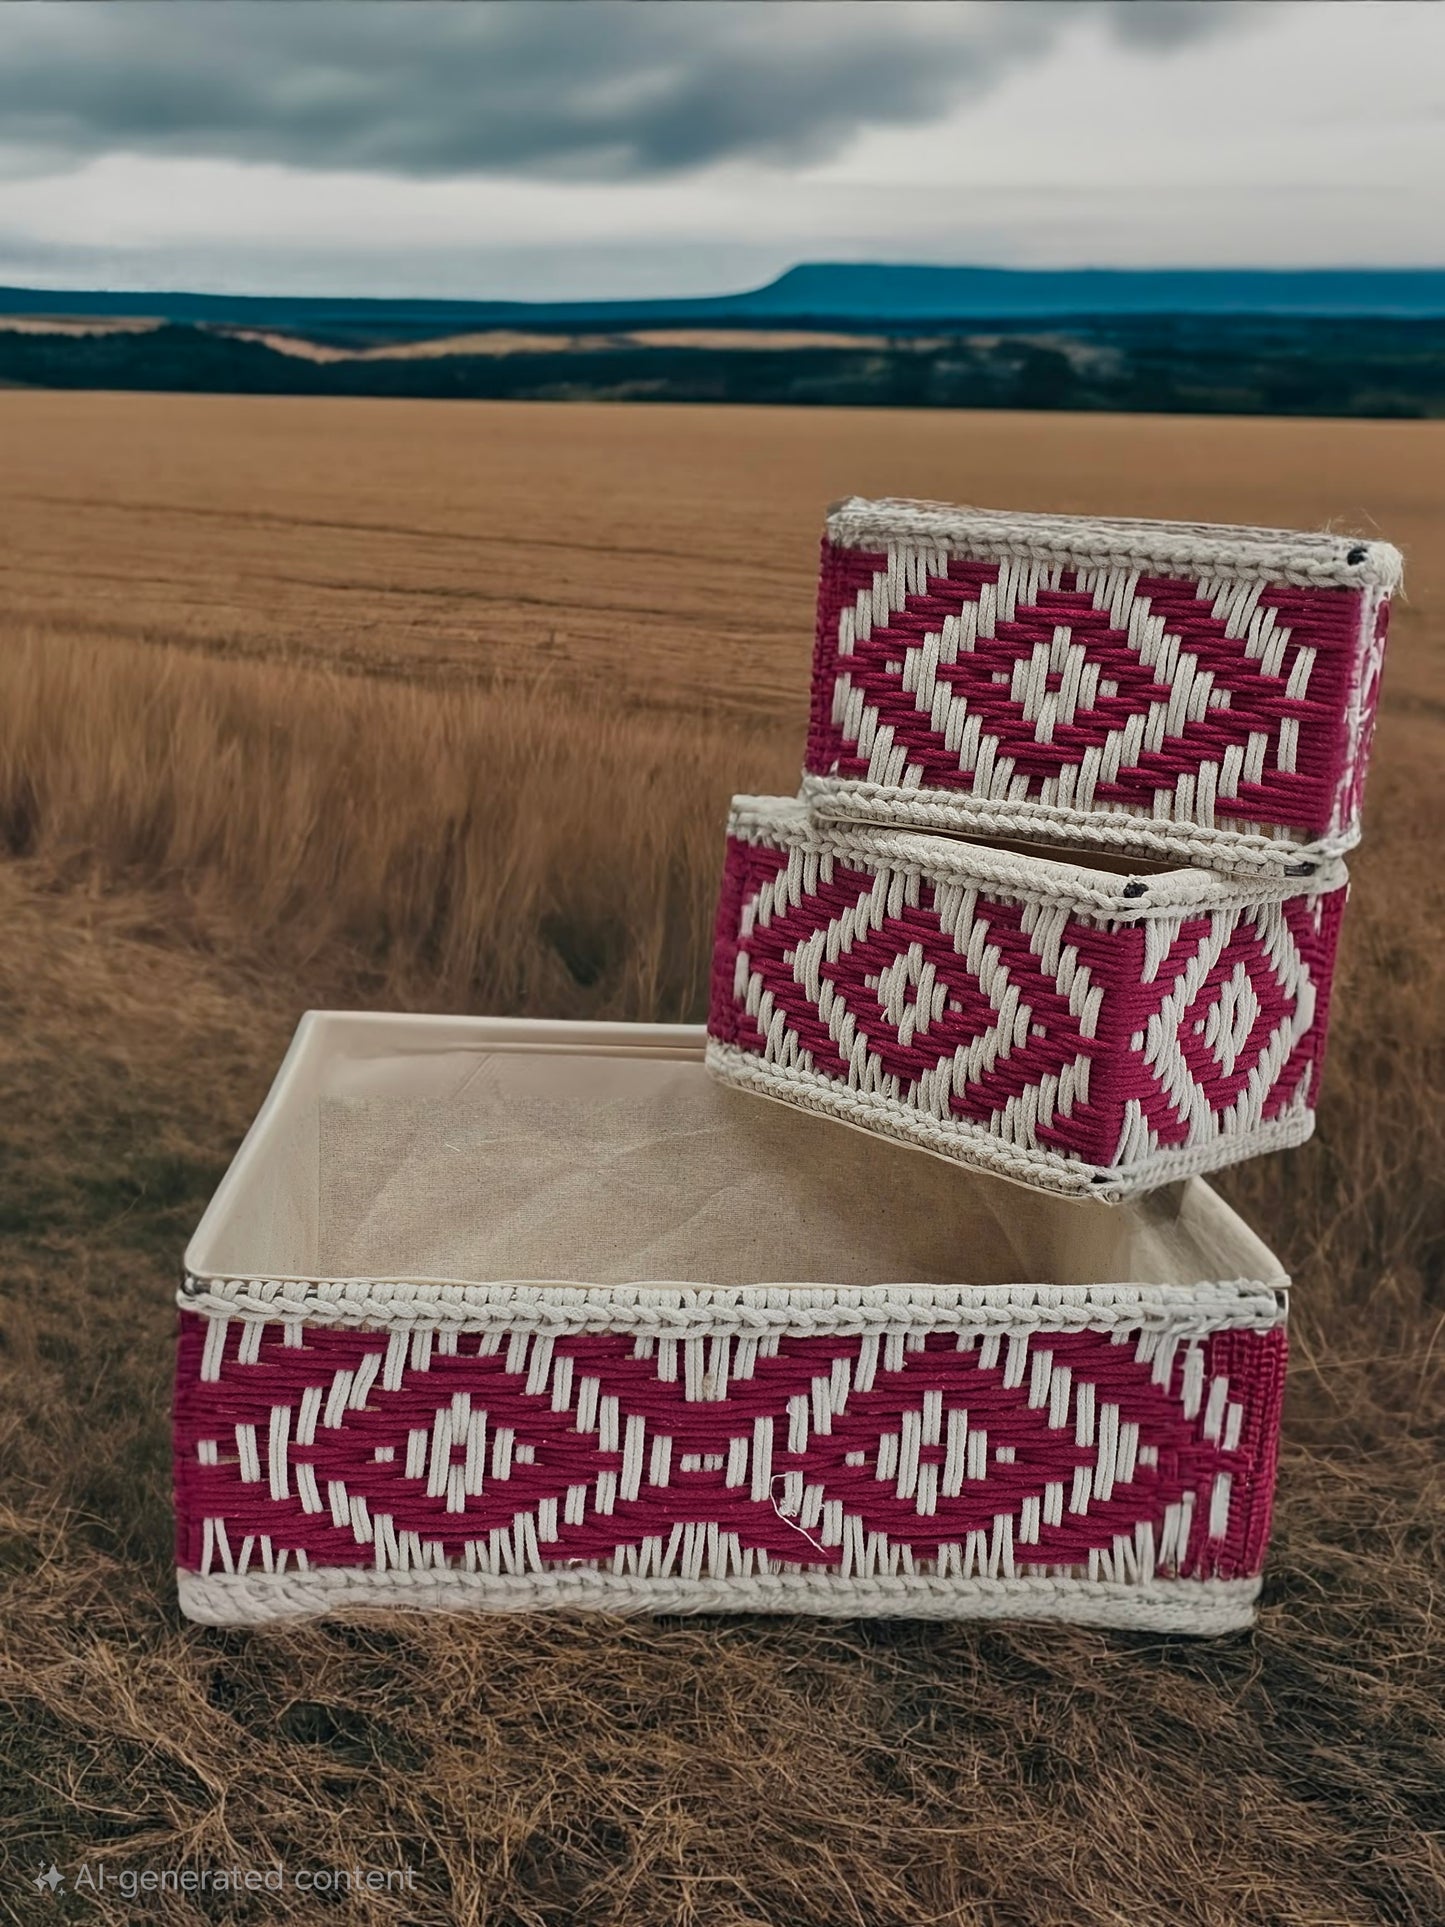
[(445, 845), (217, 814)]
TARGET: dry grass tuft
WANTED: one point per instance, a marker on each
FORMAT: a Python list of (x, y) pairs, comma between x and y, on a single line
[(201, 848), (495, 849)]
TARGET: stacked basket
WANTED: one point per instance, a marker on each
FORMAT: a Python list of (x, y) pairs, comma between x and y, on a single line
[(1062, 892), (500, 1314), (1060, 899)]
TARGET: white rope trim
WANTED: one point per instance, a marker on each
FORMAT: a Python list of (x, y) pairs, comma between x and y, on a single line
[(787, 822), (962, 1141), (842, 799), (1172, 1605), (1174, 548), (707, 1310)]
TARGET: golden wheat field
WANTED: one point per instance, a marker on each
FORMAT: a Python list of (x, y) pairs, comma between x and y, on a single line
[(438, 705)]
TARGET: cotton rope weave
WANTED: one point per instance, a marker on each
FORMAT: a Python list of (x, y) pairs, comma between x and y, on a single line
[(1099, 1454), (1079, 1031), (1205, 693)]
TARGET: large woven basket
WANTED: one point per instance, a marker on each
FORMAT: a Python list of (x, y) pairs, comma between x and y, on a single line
[(502, 1315)]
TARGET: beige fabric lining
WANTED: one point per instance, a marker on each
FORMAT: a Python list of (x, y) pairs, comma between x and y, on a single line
[(421, 1153)]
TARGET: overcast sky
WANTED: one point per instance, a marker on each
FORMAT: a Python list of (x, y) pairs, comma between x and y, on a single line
[(611, 147)]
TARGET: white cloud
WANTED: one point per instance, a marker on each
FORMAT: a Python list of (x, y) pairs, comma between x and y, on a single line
[(1308, 134)]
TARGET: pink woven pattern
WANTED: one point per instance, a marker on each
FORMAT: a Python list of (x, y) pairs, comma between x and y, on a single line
[(1136, 1453), (1245, 704), (1360, 730), (984, 1019)]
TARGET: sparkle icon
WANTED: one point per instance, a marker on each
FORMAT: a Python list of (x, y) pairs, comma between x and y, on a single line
[(52, 1879)]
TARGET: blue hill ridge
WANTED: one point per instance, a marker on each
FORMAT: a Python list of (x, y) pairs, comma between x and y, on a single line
[(881, 294)]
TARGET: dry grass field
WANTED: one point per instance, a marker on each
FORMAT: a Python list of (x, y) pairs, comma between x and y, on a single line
[(438, 706)]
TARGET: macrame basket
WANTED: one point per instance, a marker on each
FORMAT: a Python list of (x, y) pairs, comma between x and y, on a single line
[(1090, 1030), (1205, 694), (503, 1315)]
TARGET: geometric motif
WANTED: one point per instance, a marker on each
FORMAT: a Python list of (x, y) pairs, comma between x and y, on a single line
[(1044, 691), (1122, 1455), (1057, 1042)]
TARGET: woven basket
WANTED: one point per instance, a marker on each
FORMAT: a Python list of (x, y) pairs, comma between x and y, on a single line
[(892, 1392), (1075, 1029), (1206, 694)]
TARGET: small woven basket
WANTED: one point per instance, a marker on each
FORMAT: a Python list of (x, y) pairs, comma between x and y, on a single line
[(1206, 694)]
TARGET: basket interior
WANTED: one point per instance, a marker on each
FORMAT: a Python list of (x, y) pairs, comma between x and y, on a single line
[(480, 1151)]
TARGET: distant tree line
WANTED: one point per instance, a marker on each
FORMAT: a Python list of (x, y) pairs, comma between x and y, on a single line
[(1248, 365)]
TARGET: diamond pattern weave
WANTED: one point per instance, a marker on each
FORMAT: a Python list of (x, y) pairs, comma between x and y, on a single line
[(1112, 1455), (1232, 703), (1107, 1043)]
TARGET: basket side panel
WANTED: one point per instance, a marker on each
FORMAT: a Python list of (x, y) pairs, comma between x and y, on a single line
[(948, 1002), (1218, 703), (951, 1454), (1314, 926), (842, 575), (1225, 1031), (1254, 1377), (1358, 725)]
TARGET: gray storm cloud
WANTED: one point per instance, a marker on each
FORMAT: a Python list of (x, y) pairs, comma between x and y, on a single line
[(601, 89)]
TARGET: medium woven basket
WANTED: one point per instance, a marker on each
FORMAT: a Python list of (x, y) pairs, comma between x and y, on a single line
[(1072, 1028)]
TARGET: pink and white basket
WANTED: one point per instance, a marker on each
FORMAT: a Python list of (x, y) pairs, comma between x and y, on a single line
[(1203, 693), (893, 1393), (1069, 1027)]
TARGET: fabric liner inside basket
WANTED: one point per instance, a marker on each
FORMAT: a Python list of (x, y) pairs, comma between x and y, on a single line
[(477, 1165)]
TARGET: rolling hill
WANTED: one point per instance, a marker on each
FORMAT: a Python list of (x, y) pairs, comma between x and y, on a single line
[(878, 293)]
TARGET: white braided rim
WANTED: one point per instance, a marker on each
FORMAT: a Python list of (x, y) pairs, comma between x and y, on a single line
[(837, 799), (1281, 555), (662, 1310), (1200, 1606), (937, 856), (975, 1147)]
